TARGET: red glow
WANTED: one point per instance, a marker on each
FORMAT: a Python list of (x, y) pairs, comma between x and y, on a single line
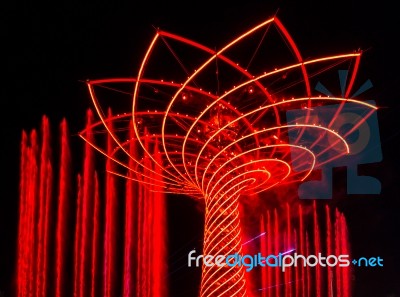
[(110, 230), (33, 206), (77, 241), (317, 244), (216, 146), (87, 214), (35, 199), (265, 281), (329, 279), (339, 281), (143, 243), (276, 250), (302, 251), (302, 281), (159, 280), (22, 256), (62, 212), (95, 243), (130, 234), (221, 147)]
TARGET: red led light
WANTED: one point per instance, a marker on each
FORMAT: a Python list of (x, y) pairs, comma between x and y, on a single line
[(218, 147)]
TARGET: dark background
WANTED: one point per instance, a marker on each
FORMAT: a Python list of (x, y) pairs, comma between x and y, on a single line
[(48, 49)]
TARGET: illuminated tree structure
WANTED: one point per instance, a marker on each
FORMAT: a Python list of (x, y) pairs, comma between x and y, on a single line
[(205, 126)]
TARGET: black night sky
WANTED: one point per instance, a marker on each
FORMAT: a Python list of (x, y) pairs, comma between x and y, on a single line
[(49, 49)]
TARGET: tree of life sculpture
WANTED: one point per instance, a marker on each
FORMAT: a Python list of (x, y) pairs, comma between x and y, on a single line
[(216, 130)]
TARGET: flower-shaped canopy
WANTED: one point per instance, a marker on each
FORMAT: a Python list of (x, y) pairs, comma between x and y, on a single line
[(195, 121)]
